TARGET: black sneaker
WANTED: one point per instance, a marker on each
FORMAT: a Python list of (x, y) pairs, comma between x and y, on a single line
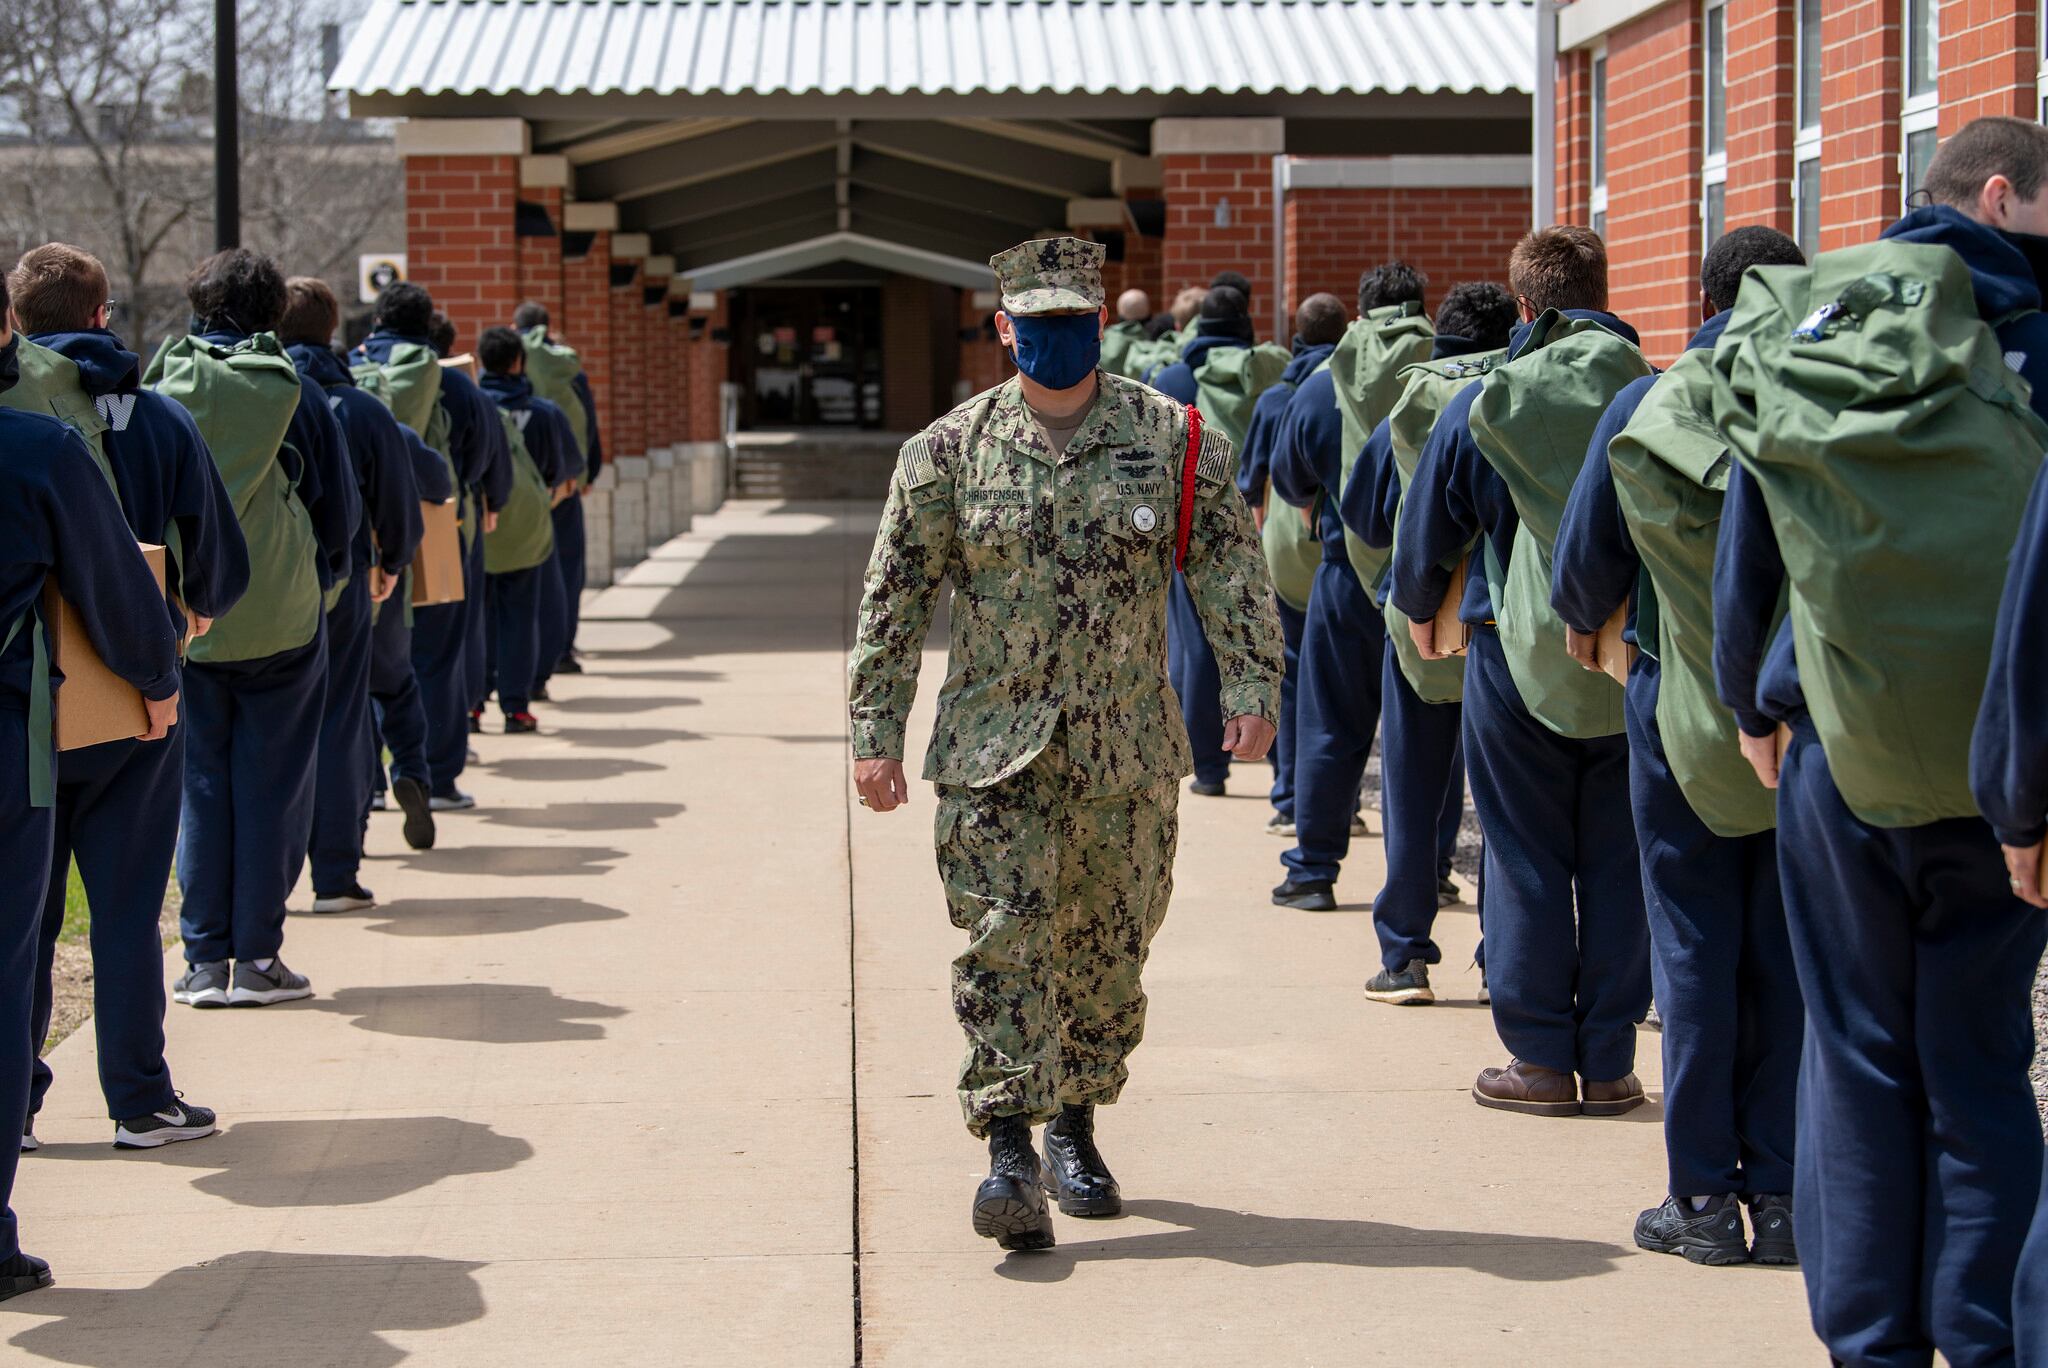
[(568, 664), (1203, 789), (354, 898), (418, 806), (1447, 894), (23, 1273), (476, 721), (1280, 826), (203, 985), (1409, 988), (540, 694), (265, 987), (520, 723), (1312, 895), (29, 1143), (1714, 1236), (167, 1127), (1770, 1216)]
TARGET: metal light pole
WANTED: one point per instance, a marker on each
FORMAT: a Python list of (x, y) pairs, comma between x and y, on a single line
[(227, 141)]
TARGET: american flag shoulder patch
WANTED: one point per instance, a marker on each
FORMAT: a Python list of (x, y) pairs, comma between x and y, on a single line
[(916, 463), (1217, 461)]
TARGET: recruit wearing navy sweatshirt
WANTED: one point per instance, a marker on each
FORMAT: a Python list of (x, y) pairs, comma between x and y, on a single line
[(1372, 500), (549, 439), (327, 486), (1595, 567), (1308, 456), (1177, 381), (164, 472), (57, 516), (1756, 676), (476, 440), (593, 458), (390, 528), (2009, 754), (1255, 461), (1456, 496)]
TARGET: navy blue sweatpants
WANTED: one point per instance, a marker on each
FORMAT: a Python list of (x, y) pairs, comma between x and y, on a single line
[(439, 646), (1727, 991), (562, 596), (399, 718), (1291, 624), (1191, 666), (1919, 1146), (25, 855), (341, 796), (475, 606), (252, 736), (1422, 803), (1567, 944), (117, 816), (1336, 712), (514, 637), (2030, 1289)]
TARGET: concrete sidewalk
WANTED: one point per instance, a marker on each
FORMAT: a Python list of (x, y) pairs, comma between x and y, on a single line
[(613, 1073)]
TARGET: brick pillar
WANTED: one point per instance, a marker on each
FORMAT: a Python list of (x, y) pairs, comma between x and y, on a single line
[(678, 324), (585, 322), (1137, 181), (543, 185), (1218, 176), (1860, 98), (707, 367), (655, 274), (984, 363), (1656, 134), (1762, 49), (629, 348), (461, 210), (1575, 138), (1989, 61)]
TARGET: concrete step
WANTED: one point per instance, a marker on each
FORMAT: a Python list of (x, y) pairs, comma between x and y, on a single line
[(813, 470)]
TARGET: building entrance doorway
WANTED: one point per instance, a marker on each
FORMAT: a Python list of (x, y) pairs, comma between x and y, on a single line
[(809, 355)]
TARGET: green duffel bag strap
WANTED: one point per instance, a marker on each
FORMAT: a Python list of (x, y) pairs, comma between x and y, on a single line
[(1292, 553), (42, 764), (525, 534), (1366, 372)]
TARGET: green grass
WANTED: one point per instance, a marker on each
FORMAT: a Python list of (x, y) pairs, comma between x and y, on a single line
[(76, 917)]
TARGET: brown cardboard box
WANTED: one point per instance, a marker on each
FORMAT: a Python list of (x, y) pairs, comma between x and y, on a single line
[(94, 705), (1613, 655), (466, 363), (1452, 635), (437, 566)]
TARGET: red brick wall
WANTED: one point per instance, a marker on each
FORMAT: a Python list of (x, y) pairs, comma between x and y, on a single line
[(1860, 99), (628, 435), (708, 370), (1655, 148), (458, 236), (1575, 138), (678, 326), (585, 323), (1762, 49), (1988, 61), (1450, 234), (661, 366), (540, 258), (984, 363), (1195, 247)]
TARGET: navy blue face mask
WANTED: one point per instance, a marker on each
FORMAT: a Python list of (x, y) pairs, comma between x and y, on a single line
[(1057, 350)]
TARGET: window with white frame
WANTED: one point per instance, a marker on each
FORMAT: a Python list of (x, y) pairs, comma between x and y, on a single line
[(1598, 198), (1714, 168), (1806, 130), (1918, 131)]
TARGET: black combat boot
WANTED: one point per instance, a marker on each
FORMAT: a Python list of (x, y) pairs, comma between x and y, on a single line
[(1074, 1171), (1008, 1207)]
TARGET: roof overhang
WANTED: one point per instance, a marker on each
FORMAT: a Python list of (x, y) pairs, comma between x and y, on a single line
[(828, 248)]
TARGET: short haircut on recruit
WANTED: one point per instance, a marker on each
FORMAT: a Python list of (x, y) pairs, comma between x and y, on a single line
[(1320, 320), (1997, 145), (1390, 282), (499, 349), (1563, 266), (1729, 259), (311, 312), (57, 288)]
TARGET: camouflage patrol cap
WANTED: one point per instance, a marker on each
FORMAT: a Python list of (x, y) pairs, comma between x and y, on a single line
[(1050, 275)]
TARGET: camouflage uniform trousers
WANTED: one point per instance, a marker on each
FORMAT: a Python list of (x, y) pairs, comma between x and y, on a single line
[(1061, 896)]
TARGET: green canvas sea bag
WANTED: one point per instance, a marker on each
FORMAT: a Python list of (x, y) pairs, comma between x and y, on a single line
[(1429, 387), (1895, 450), (552, 369), (1229, 383), (525, 534), (1119, 340), (1533, 422), (1366, 369), (243, 398), (1670, 469), (50, 384)]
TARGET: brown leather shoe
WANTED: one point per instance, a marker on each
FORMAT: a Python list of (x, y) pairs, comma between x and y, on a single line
[(1613, 1099), (1527, 1088)]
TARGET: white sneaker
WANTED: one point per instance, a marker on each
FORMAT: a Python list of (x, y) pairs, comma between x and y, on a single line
[(29, 1143), (457, 801), (354, 898), (266, 987), (1279, 826), (377, 802)]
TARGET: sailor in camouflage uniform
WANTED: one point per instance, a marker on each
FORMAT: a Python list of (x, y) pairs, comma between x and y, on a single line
[(1052, 504)]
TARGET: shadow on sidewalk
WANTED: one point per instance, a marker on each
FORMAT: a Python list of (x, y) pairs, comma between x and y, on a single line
[(480, 916), (331, 1161), (1250, 1240), (566, 769), (638, 703), (583, 816), (619, 738), (256, 1306), (483, 1013), (520, 861)]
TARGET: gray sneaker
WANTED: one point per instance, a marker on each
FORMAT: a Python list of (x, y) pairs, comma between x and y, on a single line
[(202, 985), (264, 987), (179, 1121), (1409, 988)]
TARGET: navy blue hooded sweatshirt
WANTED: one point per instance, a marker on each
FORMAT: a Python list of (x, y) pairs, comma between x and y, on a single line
[(1595, 567), (1457, 495), (549, 439), (1308, 457), (1757, 677), (390, 528), (1211, 334), (1256, 460), (164, 472), (476, 440), (327, 485), (57, 516), (2009, 754)]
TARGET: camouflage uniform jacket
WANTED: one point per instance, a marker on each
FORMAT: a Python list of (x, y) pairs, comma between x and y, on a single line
[(1060, 572)]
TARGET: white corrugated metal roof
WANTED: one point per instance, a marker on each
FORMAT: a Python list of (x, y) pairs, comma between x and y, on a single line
[(859, 47)]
